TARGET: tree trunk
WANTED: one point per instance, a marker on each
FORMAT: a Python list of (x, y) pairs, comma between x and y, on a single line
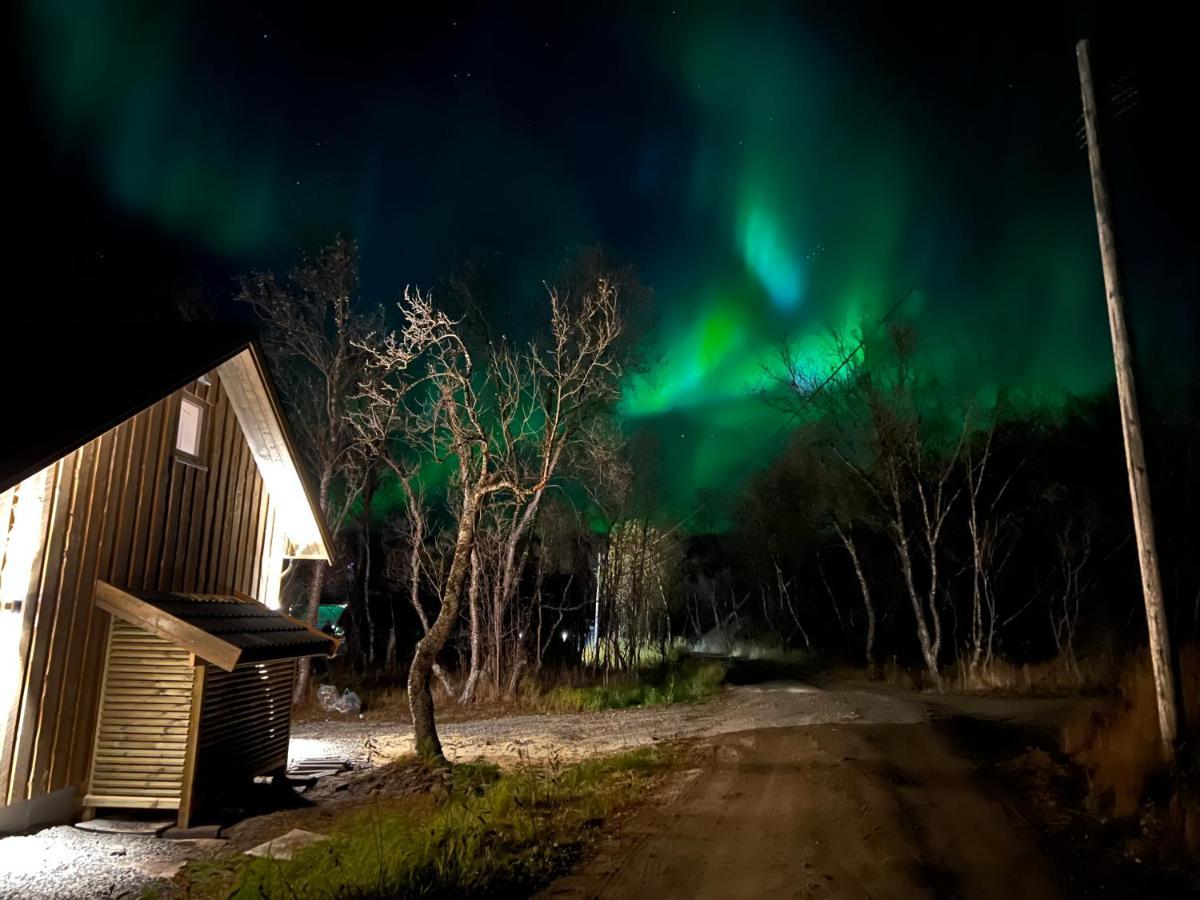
[(848, 543), (497, 653), (900, 538), (389, 659), (368, 493), (414, 591), (304, 666), (507, 581), (468, 694), (927, 652), (420, 699), (313, 606), (514, 676)]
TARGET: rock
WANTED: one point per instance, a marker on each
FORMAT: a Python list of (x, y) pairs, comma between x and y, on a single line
[(115, 825), (285, 846), (208, 832)]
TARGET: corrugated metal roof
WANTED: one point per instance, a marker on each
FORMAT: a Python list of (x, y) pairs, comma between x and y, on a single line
[(262, 634)]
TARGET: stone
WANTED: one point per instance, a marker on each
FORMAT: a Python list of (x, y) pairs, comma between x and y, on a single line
[(285, 846), (175, 833)]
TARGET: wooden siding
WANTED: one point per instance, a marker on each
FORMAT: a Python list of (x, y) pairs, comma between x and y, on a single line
[(124, 509), (141, 749), (245, 722)]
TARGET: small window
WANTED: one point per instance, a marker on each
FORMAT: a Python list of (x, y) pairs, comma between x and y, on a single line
[(189, 433)]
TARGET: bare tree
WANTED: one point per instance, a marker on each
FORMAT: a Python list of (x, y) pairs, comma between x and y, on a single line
[(407, 565), (990, 529), (879, 433), (313, 334), (1073, 542), (476, 628), (502, 416), (638, 575), (846, 536)]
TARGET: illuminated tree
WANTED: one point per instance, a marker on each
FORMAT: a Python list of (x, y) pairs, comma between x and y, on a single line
[(503, 415), (312, 334)]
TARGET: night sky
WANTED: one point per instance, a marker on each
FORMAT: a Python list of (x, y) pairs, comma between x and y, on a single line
[(770, 173)]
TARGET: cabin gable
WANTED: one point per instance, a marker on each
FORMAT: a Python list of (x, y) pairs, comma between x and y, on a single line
[(132, 510)]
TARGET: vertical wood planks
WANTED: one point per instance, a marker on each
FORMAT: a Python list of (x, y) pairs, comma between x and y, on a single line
[(122, 508)]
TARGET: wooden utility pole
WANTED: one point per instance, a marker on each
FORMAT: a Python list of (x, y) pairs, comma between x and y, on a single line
[(1131, 426)]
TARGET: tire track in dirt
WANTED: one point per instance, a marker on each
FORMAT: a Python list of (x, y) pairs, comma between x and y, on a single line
[(851, 811)]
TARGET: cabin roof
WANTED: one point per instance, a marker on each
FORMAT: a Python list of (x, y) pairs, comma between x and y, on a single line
[(223, 629), (67, 386)]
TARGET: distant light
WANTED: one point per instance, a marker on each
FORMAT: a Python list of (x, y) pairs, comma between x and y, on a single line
[(565, 634)]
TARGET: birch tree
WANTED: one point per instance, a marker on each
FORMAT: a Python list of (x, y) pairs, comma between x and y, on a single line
[(882, 434), (502, 415)]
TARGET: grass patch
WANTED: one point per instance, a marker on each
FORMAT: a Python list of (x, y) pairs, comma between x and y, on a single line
[(674, 680), (495, 833)]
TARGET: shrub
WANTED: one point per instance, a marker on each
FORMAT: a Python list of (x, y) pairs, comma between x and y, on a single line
[(1122, 754)]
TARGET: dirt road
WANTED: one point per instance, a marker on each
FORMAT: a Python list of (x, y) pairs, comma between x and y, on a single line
[(540, 738), (836, 790), (846, 811)]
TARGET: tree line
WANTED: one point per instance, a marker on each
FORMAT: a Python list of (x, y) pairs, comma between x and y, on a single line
[(493, 520)]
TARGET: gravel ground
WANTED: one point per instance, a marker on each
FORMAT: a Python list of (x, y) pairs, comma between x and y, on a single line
[(64, 862), (573, 736)]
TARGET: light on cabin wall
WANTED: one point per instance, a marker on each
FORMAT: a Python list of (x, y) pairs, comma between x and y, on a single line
[(10, 669), (287, 492), (20, 538)]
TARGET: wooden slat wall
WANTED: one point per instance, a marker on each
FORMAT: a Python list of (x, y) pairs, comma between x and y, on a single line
[(245, 722), (123, 509), (141, 742)]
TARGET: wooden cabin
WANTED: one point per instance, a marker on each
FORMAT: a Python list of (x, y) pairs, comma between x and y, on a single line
[(150, 501)]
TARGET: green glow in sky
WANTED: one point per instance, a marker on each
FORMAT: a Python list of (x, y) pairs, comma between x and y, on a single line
[(119, 85), (793, 188), (765, 250)]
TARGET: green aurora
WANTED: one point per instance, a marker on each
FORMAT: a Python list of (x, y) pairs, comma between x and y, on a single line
[(798, 190), (819, 237)]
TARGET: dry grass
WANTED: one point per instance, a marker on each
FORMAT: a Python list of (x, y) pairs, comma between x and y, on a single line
[(677, 679), (1122, 754), (1096, 673)]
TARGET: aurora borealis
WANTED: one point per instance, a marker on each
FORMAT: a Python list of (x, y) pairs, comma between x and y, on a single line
[(771, 175)]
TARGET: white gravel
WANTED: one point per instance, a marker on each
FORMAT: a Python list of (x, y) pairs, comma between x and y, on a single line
[(65, 862)]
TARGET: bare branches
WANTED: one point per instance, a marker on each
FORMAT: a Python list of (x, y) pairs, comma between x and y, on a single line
[(504, 416), (313, 334)]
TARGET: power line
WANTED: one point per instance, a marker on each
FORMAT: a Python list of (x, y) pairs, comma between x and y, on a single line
[(891, 311)]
